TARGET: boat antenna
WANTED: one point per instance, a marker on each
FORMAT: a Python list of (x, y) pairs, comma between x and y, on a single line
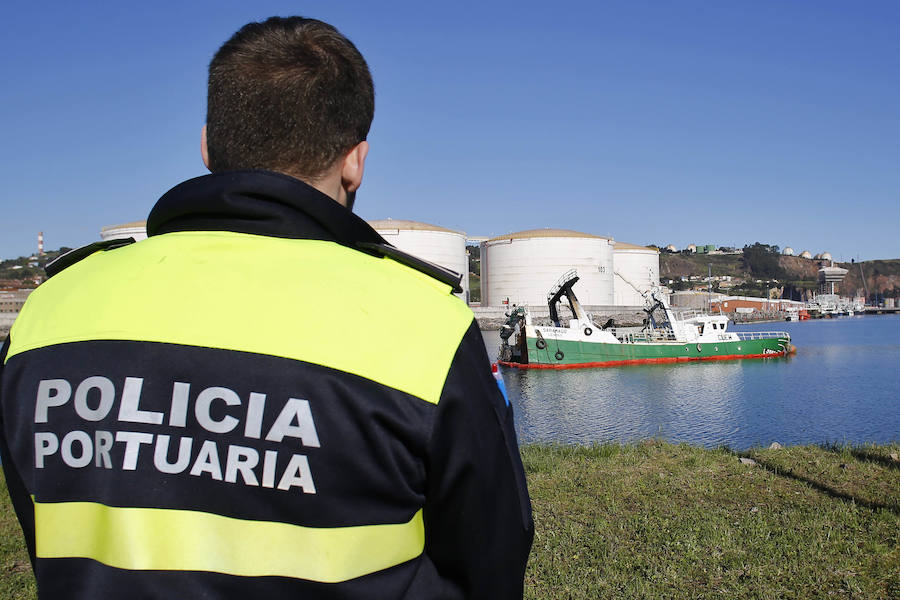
[(865, 285)]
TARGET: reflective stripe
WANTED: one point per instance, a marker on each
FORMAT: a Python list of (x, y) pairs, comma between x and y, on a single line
[(395, 326), (183, 540)]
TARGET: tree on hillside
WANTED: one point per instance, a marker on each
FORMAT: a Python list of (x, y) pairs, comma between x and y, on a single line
[(474, 254), (22, 268), (762, 261)]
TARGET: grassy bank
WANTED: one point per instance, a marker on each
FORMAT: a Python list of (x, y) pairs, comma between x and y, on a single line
[(656, 520), (663, 521), (16, 580)]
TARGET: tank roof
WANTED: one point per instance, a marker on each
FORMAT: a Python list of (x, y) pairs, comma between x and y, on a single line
[(408, 225), (125, 225), (546, 233), (625, 246)]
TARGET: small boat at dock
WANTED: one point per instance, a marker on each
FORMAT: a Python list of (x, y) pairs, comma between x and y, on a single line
[(666, 336)]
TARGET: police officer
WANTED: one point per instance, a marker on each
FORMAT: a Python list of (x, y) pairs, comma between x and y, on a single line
[(263, 399)]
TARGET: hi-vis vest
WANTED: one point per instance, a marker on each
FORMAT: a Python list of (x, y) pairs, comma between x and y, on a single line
[(221, 414)]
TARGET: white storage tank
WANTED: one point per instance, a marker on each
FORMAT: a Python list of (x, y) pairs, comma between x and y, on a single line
[(523, 266), (640, 266), (435, 244), (136, 230)]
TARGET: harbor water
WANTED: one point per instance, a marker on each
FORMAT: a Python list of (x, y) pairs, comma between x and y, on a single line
[(842, 386)]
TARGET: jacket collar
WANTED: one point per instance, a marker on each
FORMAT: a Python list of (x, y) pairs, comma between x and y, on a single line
[(258, 202)]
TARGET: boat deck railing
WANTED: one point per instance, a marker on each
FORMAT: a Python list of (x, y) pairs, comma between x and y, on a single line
[(762, 335), (568, 275), (658, 335)]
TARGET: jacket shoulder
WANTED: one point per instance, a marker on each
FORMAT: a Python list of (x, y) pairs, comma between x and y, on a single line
[(71, 257), (446, 276)]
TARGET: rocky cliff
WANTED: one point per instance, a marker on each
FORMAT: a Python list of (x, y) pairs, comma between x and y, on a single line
[(882, 277)]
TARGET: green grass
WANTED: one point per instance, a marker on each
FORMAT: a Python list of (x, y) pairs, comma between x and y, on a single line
[(16, 580), (474, 288), (656, 520), (663, 521)]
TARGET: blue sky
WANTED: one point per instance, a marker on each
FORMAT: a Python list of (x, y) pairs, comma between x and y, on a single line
[(651, 122)]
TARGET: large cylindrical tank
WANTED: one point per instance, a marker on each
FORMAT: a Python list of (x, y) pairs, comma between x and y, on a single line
[(523, 266), (435, 244), (640, 266), (136, 230)]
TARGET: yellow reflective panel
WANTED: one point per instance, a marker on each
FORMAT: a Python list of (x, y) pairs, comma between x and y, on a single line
[(183, 540), (333, 306)]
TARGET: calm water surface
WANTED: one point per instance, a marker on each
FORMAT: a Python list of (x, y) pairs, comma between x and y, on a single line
[(843, 385)]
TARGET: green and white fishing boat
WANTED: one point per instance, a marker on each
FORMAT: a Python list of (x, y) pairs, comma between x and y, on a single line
[(666, 336)]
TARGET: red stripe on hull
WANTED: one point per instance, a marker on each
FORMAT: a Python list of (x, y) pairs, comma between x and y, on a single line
[(638, 361)]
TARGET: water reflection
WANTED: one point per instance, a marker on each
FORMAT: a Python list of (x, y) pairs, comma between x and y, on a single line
[(701, 402), (840, 387)]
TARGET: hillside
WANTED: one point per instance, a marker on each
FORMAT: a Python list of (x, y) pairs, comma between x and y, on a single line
[(882, 277), (672, 266), (26, 271), (793, 275)]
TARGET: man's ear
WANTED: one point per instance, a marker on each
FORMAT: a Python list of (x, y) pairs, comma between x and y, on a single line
[(353, 167), (204, 150)]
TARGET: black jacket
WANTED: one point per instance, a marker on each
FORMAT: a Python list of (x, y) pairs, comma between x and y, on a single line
[(257, 402)]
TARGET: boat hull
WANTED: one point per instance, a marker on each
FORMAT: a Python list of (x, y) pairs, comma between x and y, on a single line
[(574, 354)]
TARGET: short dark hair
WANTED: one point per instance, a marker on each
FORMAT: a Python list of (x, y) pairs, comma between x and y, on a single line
[(289, 94)]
